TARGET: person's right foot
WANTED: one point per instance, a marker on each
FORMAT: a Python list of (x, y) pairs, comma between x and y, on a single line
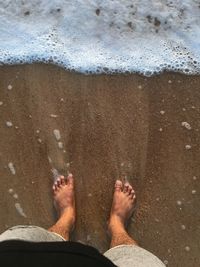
[(122, 206)]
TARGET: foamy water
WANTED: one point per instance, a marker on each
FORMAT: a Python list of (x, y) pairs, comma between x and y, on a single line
[(102, 36)]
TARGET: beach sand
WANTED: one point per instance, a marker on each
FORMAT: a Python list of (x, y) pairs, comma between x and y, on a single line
[(111, 126)]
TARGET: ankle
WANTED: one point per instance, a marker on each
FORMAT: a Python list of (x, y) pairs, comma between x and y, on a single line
[(66, 212), (116, 225)]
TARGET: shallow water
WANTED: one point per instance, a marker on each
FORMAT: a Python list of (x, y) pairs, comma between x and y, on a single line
[(111, 126)]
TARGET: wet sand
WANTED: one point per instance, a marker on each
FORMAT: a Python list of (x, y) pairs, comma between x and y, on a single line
[(110, 126)]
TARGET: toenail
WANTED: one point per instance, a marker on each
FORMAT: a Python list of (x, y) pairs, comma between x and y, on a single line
[(118, 185), (70, 175)]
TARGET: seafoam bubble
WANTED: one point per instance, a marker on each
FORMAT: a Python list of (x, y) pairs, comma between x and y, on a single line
[(53, 115), (194, 192), (12, 168), (187, 248), (55, 173), (49, 159), (162, 112), (20, 209), (183, 227), (57, 135), (188, 147), (67, 164), (1, 103), (9, 124), (10, 87), (10, 191), (179, 203), (186, 125), (60, 145), (15, 196)]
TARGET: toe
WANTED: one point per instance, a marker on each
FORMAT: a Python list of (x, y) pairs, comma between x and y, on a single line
[(62, 180), (58, 181), (70, 180), (126, 186), (54, 188), (132, 194), (129, 189), (118, 186)]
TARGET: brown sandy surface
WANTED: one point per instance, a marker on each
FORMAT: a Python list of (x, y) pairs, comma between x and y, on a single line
[(111, 126)]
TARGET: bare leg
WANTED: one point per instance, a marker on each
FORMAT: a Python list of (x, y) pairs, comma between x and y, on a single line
[(121, 211), (64, 200)]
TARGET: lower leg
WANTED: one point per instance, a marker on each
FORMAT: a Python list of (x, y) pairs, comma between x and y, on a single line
[(61, 228), (122, 209), (65, 205), (119, 235)]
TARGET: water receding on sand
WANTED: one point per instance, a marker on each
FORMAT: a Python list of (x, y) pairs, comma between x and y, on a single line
[(141, 130)]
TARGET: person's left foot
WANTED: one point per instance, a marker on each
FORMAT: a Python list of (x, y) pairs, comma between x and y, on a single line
[(64, 200)]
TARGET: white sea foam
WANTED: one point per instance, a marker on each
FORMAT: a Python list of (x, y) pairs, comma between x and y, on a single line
[(11, 168), (10, 191), (103, 36), (53, 115), (10, 87), (9, 123), (60, 145), (20, 209), (55, 173), (15, 196), (57, 135), (186, 125)]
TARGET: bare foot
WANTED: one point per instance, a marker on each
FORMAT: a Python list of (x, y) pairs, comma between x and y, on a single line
[(64, 201), (122, 206)]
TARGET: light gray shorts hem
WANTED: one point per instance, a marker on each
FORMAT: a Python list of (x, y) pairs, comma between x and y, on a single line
[(30, 233), (132, 256)]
